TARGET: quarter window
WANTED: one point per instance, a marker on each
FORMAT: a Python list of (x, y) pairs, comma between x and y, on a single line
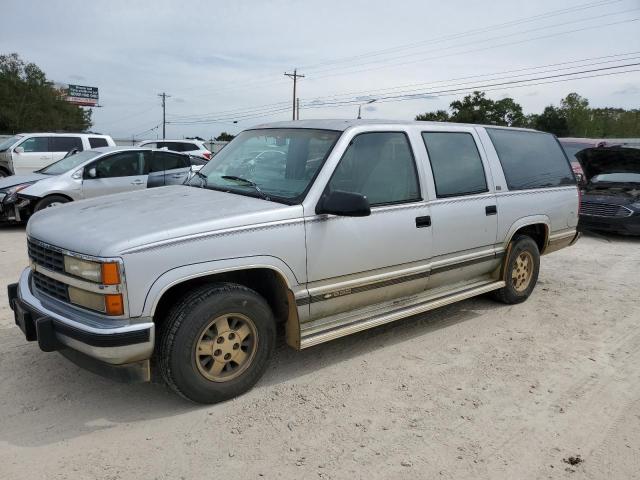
[(455, 163), (531, 159), (379, 165), (95, 142)]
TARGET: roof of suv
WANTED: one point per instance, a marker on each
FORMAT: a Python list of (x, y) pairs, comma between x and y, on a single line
[(63, 134), (344, 124)]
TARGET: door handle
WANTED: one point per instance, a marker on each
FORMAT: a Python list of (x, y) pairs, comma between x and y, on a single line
[(136, 182), (422, 222), (491, 210)]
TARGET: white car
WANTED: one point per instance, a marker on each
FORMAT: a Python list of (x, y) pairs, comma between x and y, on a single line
[(192, 147), (27, 152)]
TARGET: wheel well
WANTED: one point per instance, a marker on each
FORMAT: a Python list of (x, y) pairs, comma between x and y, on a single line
[(538, 232), (5, 170), (266, 282), (57, 195)]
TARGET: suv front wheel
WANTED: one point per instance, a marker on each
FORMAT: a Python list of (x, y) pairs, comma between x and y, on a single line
[(521, 270), (216, 342)]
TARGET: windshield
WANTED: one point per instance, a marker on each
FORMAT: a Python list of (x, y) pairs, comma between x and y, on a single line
[(616, 178), (9, 142), (573, 148), (66, 164), (278, 164)]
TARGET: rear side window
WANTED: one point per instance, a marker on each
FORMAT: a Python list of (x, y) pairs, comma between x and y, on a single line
[(379, 165), (96, 142), (531, 159), (455, 163), (64, 144), (170, 161)]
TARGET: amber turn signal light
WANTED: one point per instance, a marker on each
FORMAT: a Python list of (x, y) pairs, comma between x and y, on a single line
[(110, 274), (113, 304)]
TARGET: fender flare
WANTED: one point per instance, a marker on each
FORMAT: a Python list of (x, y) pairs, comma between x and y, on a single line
[(188, 272), (525, 221)]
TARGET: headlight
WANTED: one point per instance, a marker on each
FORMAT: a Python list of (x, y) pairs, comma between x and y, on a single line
[(104, 273), (12, 192), (111, 304)]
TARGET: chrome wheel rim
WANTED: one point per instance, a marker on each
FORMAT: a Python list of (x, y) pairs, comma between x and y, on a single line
[(522, 272), (226, 347)]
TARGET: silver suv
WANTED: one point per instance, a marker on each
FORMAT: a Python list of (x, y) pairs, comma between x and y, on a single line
[(352, 224)]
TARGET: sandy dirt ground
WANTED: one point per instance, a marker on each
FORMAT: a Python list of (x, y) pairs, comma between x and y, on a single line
[(472, 390)]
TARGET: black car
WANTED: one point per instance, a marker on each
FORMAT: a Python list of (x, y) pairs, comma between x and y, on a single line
[(610, 190)]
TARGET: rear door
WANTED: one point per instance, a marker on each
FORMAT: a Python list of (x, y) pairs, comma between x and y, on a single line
[(60, 146), (173, 168), (464, 212), (120, 172), (35, 155)]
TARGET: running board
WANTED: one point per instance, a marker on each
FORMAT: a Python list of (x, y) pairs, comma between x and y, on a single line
[(357, 326)]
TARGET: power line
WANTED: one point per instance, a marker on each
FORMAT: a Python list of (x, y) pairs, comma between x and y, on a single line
[(489, 47), (249, 111), (554, 13), (454, 36)]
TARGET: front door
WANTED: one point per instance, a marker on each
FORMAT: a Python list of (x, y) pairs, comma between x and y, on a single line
[(358, 261), (120, 172), (35, 155)]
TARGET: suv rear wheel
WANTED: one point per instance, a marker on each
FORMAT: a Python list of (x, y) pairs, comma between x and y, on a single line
[(521, 270), (216, 342)]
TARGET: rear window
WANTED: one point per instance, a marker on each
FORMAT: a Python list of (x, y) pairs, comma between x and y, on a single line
[(531, 159), (64, 144), (96, 142)]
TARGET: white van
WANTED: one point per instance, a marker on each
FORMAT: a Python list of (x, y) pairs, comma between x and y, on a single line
[(27, 152)]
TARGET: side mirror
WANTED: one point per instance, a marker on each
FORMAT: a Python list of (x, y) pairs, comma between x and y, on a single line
[(346, 204), (18, 150), (92, 173)]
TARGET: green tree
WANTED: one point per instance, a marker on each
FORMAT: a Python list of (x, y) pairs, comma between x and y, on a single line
[(29, 102), (576, 110), (551, 120), (479, 109), (437, 116), (224, 137)]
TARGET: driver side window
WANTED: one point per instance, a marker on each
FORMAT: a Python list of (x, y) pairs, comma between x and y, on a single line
[(380, 166), (126, 164)]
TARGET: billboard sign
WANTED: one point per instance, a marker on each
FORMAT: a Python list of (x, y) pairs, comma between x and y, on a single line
[(82, 95)]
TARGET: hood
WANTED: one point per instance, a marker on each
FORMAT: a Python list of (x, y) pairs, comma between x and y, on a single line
[(12, 180), (106, 226), (596, 161)]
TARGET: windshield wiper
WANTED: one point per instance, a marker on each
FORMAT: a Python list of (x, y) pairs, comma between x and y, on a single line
[(263, 195)]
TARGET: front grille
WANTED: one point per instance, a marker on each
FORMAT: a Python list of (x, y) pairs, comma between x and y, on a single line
[(45, 256), (595, 209), (51, 287)]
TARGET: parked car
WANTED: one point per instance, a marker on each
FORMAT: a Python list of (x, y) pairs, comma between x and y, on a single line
[(192, 147), (397, 219), (91, 173), (611, 190), (28, 152)]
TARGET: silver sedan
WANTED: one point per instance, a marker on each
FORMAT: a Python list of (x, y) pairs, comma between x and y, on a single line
[(92, 173)]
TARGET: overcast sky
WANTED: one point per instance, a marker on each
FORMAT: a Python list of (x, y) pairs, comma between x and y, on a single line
[(224, 61)]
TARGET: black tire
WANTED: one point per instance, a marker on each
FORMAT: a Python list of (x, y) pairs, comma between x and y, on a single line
[(511, 294), (50, 201), (182, 331), (4, 173)]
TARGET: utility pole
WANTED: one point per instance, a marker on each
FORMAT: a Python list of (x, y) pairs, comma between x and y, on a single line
[(164, 97), (295, 75), (298, 108)]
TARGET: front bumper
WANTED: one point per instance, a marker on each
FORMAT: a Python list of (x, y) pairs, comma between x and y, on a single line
[(625, 225), (120, 352)]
